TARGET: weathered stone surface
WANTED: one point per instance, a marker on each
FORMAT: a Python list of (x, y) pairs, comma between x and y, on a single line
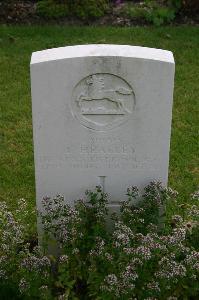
[(101, 115)]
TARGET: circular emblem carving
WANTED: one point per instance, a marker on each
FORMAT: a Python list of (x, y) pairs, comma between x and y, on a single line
[(102, 101)]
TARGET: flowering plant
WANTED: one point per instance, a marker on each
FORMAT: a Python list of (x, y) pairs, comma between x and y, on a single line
[(133, 256)]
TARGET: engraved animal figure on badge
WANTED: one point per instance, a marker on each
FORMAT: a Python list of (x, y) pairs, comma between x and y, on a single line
[(95, 91), (102, 101)]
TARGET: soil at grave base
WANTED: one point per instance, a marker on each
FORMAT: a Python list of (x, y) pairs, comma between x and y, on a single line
[(24, 12)]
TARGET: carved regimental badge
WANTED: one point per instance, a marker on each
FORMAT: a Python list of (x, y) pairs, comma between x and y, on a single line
[(102, 101)]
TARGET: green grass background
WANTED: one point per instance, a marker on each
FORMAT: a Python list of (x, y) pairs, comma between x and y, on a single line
[(16, 145)]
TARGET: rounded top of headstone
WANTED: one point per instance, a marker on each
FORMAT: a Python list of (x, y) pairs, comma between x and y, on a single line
[(102, 50)]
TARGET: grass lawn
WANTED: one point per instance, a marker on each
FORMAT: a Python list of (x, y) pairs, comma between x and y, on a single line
[(16, 147)]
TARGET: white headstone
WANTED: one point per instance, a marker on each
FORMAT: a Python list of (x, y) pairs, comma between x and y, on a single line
[(101, 116)]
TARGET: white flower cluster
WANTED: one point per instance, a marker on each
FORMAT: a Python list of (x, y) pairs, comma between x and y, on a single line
[(170, 269), (192, 260), (12, 232), (195, 196), (23, 285), (176, 238), (193, 211), (121, 284), (122, 235), (63, 259), (143, 252), (153, 285), (33, 263), (60, 219), (99, 247)]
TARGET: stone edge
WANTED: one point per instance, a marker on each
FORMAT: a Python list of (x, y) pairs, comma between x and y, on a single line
[(98, 50)]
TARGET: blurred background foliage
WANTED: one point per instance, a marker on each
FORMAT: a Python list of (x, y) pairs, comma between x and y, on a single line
[(156, 12)]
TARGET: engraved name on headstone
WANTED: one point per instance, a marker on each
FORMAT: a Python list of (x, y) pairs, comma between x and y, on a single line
[(101, 115)]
